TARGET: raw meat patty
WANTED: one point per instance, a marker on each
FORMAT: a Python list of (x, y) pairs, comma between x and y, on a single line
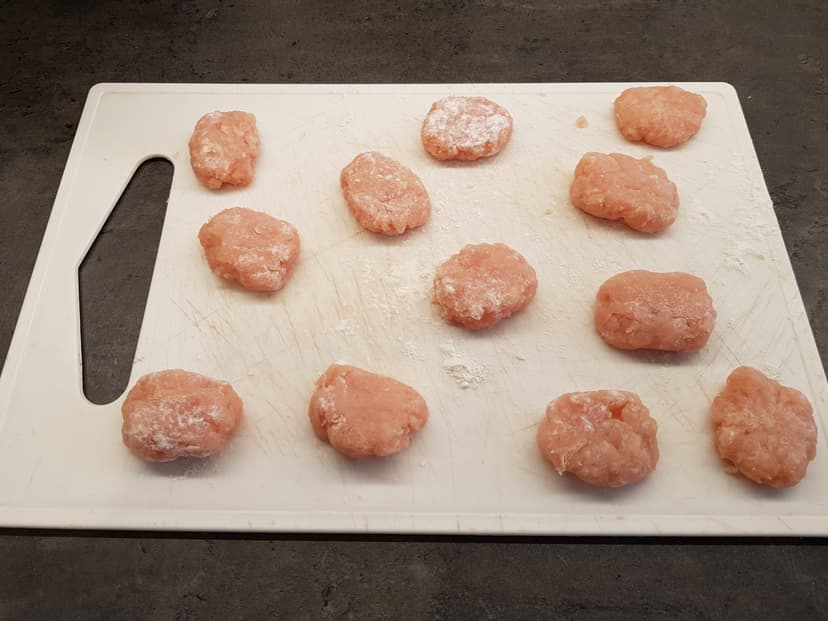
[(620, 187), (363, 414), (250, 247), (223, 148), (764, 430), (466, 128), (604, 437), (175, 413), (384, 196), (669, 311), (482, 284), (663, 116)]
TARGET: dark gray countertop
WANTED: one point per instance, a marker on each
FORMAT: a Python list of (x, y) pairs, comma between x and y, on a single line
[(51, 53)]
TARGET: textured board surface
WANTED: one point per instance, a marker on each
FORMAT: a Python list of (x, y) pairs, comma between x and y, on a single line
[(363, 299)]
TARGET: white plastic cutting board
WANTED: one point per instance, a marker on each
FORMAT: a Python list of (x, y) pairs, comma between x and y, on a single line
[(365, 299)]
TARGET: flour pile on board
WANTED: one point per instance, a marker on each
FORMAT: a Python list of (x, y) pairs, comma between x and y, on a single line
[(394, 287), (345, 327), (466, 371), (410, 348), (742, 250), (770, 370)]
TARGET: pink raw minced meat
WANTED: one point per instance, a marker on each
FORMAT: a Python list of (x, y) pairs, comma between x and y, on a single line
[(466, 128), (620, 187), (763, 430), (363, 414), (669, 311), (384, 196), (605, 438), (483, 284), (663, 116), (223, 149), (250, 247), (175, 413)]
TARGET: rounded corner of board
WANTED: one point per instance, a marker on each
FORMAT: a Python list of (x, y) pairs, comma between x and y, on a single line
[(728, 89), (100, 89)]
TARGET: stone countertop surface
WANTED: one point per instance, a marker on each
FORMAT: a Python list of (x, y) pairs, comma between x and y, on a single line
[(51, 53)]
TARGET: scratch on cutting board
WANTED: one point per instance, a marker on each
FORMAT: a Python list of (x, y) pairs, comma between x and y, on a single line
[(293, 333), (362, 306), (34, 471), (451, 465), (703, 390), (680, 417), (198, 320), (248, 369), (322, 116), (299, 390), (316, 256), (316, 347), (784, 522), (536, 473), (504, 371), (801, 352), (486, 430), (202, 318), (571, 379), (220, 333), (712, 360), (260, 439), (341, 472), (339, 303), (733, 357), (183, 312), (724, 526), (259, 343), (588, 226)]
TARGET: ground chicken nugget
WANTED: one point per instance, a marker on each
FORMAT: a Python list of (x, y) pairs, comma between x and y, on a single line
[(483, 284), (384, 196), (663, 116), (175, 413), (250, 247), (763, 430), (620, 187), (223, 149), (466, 128), (363, 414), (669, 311), (604, 437)]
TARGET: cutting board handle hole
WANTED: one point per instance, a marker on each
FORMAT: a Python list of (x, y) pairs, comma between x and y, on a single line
[(114, 279)]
